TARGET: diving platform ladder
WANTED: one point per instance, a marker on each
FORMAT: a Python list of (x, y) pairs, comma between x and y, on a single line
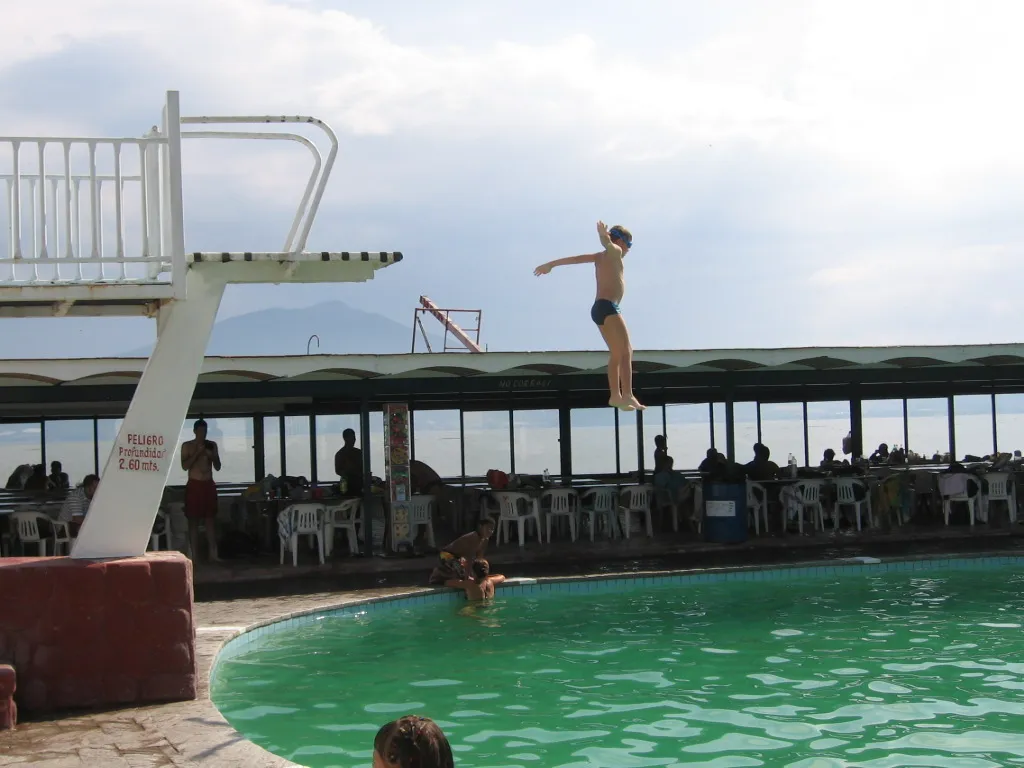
[(95, 227)]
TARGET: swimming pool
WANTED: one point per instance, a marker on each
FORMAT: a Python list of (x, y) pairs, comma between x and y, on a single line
[(883, 665)]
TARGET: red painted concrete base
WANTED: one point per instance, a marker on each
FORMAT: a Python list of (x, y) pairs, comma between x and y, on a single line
[(8, 709), (98, 633)]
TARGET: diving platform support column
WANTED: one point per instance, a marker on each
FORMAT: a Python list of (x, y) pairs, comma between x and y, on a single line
[(131, 487)]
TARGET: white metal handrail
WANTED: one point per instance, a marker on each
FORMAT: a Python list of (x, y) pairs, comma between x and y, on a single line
[(313, 175), (307, 211), (52, 209)]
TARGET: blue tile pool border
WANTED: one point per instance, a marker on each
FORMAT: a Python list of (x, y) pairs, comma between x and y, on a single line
[(250, 636)]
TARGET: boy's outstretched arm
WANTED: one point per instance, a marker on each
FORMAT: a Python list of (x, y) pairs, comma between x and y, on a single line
[(588, 258)]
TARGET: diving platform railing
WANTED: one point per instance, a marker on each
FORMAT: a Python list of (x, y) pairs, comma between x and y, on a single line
[(95, 226)]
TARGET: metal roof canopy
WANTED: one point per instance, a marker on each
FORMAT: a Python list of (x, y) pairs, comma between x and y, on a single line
[(502, 380)]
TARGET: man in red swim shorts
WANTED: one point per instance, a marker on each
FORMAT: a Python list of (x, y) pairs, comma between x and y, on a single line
[(200, 458)]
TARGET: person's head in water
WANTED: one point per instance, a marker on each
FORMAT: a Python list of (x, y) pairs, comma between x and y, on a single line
[(349, 436), (485, 528), (481, 569), (412, 742), (622, 237)]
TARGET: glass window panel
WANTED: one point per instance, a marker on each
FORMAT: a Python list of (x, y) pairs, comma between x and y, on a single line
[(437, 441), (928, 426), (744, 416), (106, 433), (1010, 422), (720, 432), (71, 443), (592, 433), (272, 445), (19, 444), (782, 431), (234, 440), (537, 446), (827, 424), (689, 434), (487, 442), (654, 425), (297, 457), (628, 450), (329, 442), (972, 423), (882, 422)]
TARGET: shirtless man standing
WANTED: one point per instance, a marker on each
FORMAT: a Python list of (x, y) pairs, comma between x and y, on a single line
[(611, 286), (200, 458)]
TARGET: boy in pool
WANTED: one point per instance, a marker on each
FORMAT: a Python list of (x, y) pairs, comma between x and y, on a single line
[(611, 286), (465, 548), (481, 584)]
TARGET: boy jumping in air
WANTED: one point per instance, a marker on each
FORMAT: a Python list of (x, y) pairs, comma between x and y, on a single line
[(611, 286)]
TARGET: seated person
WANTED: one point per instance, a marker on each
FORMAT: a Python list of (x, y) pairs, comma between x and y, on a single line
[(481, 584), (712, 461), (58, 479), (412, 742), (881, 455), (464, 549), (828, 461), (37, 480), (76, 504), (664, 474), (762, 468)]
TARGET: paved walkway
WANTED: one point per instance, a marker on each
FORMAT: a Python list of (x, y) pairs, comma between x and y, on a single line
[(185, 734)]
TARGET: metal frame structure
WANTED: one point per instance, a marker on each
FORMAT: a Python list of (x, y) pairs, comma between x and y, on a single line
[(444, 316)]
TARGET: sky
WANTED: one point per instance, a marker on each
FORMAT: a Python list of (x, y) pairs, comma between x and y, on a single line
[(795, 173)]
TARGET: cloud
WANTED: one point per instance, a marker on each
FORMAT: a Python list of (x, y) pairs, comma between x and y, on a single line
[(796, 173)]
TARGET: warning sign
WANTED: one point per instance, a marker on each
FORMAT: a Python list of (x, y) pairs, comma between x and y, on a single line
[(141, 452)]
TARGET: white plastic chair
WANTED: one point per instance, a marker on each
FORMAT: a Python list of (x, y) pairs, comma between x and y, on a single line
[(846, 496), (563, 502), (637, 501), (162, 529), (421, 510), (601, 506), (297, 520), (757, 505), (62, 538), (517, 508), (1000, 488), (346, 516), (26, 524), (954, 489), (807, 496)]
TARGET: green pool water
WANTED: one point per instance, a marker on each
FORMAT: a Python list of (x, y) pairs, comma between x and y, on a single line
[(922, 668)]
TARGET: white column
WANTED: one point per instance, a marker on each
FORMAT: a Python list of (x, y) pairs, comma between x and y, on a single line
[(122, 512)]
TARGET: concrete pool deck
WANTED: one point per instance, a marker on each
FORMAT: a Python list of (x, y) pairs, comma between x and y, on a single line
[(194, 733)]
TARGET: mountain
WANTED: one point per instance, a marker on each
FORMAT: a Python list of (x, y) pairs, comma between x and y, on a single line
[(341, 330)]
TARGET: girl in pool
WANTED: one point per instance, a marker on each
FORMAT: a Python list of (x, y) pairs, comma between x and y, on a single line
[(481, 584), (412, 742)]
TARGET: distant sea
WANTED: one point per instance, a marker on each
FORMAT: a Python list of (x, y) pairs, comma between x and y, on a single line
[(535, 434)]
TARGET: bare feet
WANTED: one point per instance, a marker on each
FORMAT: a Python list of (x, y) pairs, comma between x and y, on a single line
[(637, 405), (621, 403)]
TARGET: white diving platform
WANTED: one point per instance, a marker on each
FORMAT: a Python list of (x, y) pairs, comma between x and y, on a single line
[(95, 227)]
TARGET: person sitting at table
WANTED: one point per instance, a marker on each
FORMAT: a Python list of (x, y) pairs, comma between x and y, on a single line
[(828, 461), (76, 504), (348, 464), (664, 474), (58, 479), (37, 480), (464, 549), (881, 455), (762, 468), (712, 462)]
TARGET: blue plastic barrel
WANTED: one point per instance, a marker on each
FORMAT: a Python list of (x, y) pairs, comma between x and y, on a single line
[(725, 512)]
